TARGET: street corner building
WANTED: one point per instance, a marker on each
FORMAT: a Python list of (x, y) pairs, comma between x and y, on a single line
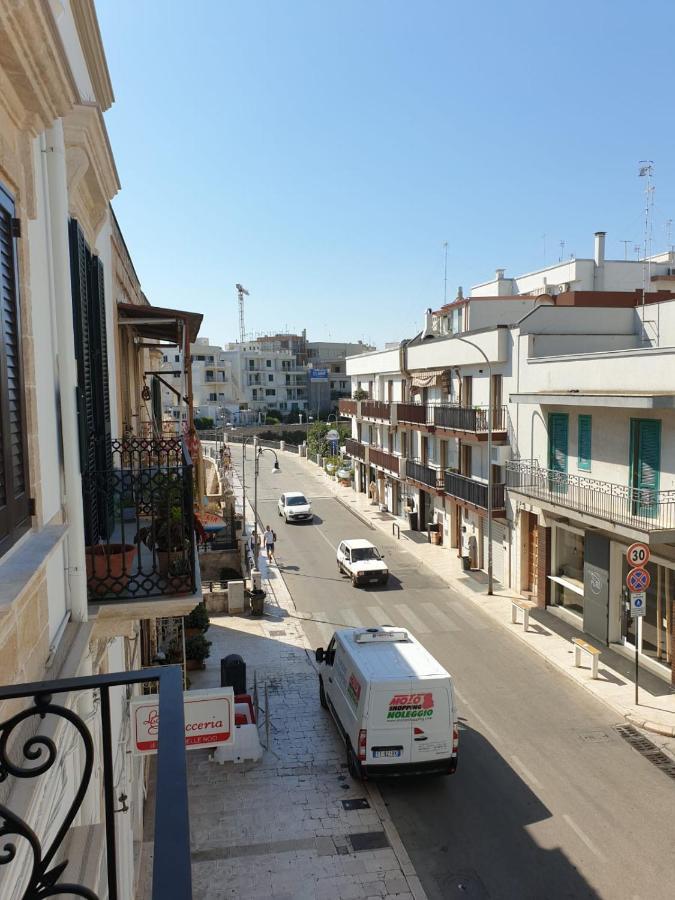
[(85, 603), (527, 427)]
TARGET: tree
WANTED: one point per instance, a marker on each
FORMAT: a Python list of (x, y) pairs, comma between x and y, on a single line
[(203, 423), (316, 437)]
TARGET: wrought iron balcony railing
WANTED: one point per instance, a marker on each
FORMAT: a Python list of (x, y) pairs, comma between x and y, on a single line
[(355, 449), (140, 507), (639, 508), (31, 749), (472, 491), (413, 413), (417, 471), (383, 459)]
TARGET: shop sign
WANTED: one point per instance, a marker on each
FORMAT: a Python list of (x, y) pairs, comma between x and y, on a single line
[(638, 579), (638, 603), (209, 720), (318, 374), (637, 555)]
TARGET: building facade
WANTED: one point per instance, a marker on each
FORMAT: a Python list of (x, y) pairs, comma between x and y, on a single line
[(213, 389), (581, 466), (73, 425)]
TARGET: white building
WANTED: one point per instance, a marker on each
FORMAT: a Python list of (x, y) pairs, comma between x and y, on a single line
[(267, 379), (213, 389), (583, 463), (328, 381)]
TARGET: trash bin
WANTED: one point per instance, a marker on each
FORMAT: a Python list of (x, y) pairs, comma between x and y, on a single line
[(233, 673), (412, 520), (466, 563)]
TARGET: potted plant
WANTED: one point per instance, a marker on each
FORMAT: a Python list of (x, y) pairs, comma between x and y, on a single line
[(360, 394), (109, 567), (198, 621), (197, 649), (167, 536)]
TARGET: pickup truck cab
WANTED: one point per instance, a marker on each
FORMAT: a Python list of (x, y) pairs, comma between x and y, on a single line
[(362, 561), (392, 702)]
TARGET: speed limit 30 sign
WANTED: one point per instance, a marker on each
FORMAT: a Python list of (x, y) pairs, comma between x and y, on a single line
[(637, 555)]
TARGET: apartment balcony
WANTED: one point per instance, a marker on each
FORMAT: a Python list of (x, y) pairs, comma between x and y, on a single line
[(633, 512), (347, 407), (423, 474), (84, 860), (463, 421), (375, 409), (355, 449), (384, 460), (474, 493), (140, 524)]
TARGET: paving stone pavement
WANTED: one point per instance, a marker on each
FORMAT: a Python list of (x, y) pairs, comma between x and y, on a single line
[(277, 828)]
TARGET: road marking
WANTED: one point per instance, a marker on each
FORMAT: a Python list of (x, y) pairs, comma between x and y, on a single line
[(441, 618), (471, 618), (332, 546), (377, 614), (416, 623), (582, 837), (532, 779), (350, 618)]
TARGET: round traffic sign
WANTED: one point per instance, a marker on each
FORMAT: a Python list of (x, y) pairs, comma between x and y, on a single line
[(637, 555), (638, 579)]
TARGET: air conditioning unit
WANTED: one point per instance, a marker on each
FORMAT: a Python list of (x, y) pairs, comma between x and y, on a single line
[(565, 286)]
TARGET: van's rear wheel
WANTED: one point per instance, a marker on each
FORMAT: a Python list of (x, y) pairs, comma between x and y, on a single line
[(353, 763), (322, 695)]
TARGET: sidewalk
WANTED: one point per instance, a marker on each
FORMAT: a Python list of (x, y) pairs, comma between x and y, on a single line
[(548, 635), (282, 827)]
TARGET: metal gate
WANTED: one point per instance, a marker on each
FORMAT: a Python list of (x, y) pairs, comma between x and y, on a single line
[(498, 541)]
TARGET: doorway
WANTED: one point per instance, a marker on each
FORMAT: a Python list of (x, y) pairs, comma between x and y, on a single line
[(532, 565)]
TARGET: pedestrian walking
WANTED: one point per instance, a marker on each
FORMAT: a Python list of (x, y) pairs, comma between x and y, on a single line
[(269, 539)]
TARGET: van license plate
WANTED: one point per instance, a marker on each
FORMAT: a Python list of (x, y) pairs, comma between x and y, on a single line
[(379, 753)]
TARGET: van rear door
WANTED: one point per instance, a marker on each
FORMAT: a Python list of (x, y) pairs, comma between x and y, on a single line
[(432, 720), (389, 730)]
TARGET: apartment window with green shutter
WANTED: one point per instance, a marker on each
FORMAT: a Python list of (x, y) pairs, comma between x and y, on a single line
[(584, 444)]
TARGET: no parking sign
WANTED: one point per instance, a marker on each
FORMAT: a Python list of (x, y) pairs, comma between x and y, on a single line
[(638, 580)]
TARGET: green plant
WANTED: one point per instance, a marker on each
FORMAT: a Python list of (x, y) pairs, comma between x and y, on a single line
[(272, 419), (316, 437), (169, 529), (197, 648), (198, 618), (203, 423), (360, 394)]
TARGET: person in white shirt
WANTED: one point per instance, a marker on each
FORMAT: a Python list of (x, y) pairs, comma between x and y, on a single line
[(269, 537)]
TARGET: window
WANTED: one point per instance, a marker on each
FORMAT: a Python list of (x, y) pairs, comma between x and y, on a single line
[(645, 465), (200, 359), (270, 377), (584, 443), (557, 442), (213, 398), (165, 358), (343, 385), (268, 363), (251, 364), (270, 392), (211, 359), (176, 358), (14, 500)]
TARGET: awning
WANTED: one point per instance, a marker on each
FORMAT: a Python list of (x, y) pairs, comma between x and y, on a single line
[(430, 378), (158, 323)]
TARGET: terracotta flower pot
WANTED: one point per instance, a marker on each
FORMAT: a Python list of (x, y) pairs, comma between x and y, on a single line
[(109, 567)]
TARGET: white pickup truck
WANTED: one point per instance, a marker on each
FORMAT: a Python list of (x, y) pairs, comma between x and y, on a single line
[(362, 561)]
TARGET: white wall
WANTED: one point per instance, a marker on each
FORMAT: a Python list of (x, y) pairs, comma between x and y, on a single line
[(66, 25), (442, 353), (382, 361)]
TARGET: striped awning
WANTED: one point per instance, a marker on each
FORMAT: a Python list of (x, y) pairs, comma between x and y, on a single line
[(428, 378)]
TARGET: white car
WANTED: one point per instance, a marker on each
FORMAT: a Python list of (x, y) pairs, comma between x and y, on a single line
[(363, 562), (295, 507)]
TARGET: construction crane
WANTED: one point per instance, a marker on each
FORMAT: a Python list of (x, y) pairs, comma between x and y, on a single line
[(242, 292)]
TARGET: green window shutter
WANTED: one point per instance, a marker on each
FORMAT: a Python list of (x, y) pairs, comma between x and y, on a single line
[(584, 443), (645, 460), (557, 441)]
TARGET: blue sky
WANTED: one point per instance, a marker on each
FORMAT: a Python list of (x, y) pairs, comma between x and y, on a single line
[(322, 152)]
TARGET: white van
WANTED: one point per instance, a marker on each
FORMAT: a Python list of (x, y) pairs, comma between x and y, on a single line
[(393, 703)]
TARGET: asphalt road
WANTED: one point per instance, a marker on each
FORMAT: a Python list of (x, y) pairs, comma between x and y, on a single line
[(548, 800)]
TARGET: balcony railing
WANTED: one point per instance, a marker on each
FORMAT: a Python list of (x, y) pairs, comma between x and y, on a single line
[(29, 755), (355, 449), (474, 419), (347, 407), (417, 471), (383, 459), (140, 507), (638, 508), (475, 492), (375, 409), (415, 413)]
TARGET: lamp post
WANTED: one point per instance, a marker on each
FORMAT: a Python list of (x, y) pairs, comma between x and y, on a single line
[(276, 470), (489, 502), (244, 442)]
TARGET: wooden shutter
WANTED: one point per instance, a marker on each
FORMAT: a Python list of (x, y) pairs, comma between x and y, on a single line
[(98, 343), (557, 442), (584, 443), (645, 465), (14, 500)]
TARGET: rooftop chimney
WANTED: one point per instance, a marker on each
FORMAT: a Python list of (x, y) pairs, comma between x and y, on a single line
[(499, 274), (600, 248), (460, 293)]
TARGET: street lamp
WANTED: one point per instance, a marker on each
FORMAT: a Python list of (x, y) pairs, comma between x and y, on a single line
[(276, 470), (490, 485)]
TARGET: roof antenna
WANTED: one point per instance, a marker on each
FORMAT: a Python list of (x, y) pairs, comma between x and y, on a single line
[(646, 170), (445, 274)]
